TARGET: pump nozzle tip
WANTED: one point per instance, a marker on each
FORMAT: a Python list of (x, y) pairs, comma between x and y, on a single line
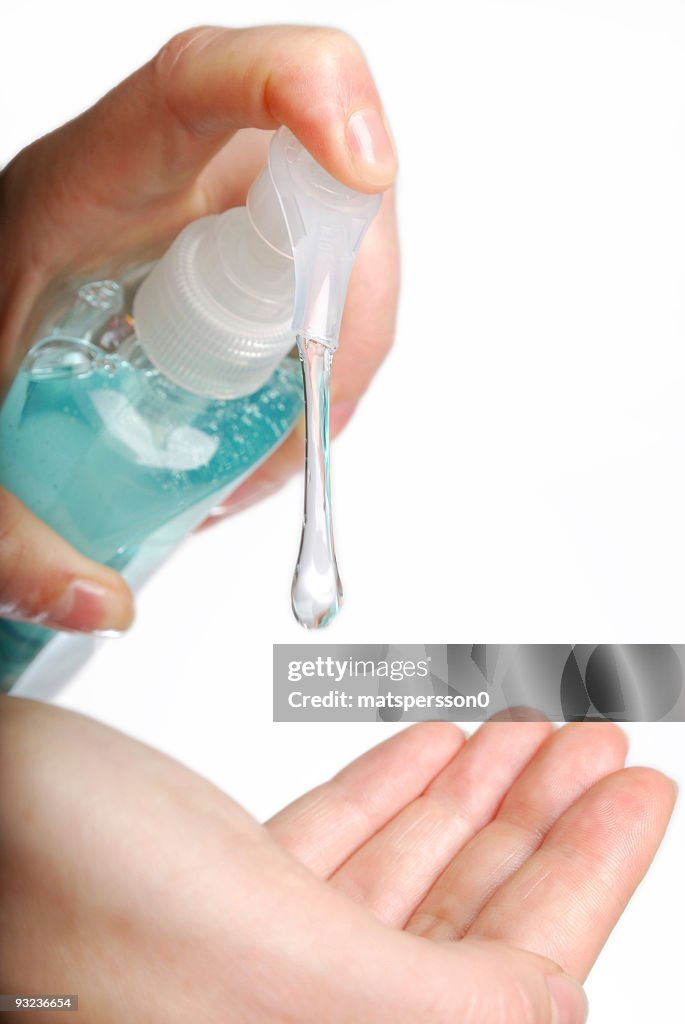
[(326, 223)]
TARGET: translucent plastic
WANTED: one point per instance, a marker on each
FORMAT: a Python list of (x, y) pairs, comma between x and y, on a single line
[(118, 459), (326, 224), (266, 216), (222, 307), (317, 592), (122, 431), (214, 315)]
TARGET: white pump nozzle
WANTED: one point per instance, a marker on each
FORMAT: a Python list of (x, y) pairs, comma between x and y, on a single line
[(326, 222), (214, 314)]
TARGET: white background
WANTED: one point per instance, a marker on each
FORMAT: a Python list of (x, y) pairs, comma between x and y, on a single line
[(516, 470)]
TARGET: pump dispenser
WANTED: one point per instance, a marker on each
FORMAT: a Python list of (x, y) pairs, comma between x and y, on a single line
[(222, 308), (214, 315), (143, 405), (326, 222)]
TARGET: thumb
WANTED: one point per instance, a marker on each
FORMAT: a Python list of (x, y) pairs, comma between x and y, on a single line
[(516, 987), (477, 981), (315, 80), (117, 183), (44, 580), (172, 115), (146, 142)]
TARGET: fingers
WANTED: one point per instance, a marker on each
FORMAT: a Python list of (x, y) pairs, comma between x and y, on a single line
[(315, 80), (507, 986), (567, 765), (325, 826), (45, 581), (565, 900), (115, 185), (393, 871), (472, 982), (181, 882), (139, 152)]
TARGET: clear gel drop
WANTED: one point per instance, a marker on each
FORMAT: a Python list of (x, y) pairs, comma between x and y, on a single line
[(325, 222), (317, 591)]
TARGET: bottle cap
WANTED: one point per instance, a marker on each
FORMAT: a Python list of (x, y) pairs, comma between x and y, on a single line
[(214, 314)]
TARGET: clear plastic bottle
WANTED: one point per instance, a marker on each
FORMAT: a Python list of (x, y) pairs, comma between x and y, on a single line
[(122, 459), (145, 402)]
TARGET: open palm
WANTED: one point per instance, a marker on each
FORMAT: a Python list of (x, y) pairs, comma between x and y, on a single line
[(523, 833), (520, 846)]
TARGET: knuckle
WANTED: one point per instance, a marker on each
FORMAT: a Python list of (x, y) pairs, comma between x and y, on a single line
[(179, 47), (337, 40), (332, 47), (169, 68)]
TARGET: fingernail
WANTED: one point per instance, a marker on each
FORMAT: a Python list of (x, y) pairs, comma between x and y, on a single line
[(569, 1002), (341, 414), (370, 144), (86, 607)]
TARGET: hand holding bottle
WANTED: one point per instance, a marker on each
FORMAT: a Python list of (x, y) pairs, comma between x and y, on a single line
[(113, 187)]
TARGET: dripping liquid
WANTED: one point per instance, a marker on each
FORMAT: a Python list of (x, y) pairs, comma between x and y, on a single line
[(317, 591)]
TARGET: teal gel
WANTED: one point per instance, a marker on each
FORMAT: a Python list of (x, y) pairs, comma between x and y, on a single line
[(120, 461)]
